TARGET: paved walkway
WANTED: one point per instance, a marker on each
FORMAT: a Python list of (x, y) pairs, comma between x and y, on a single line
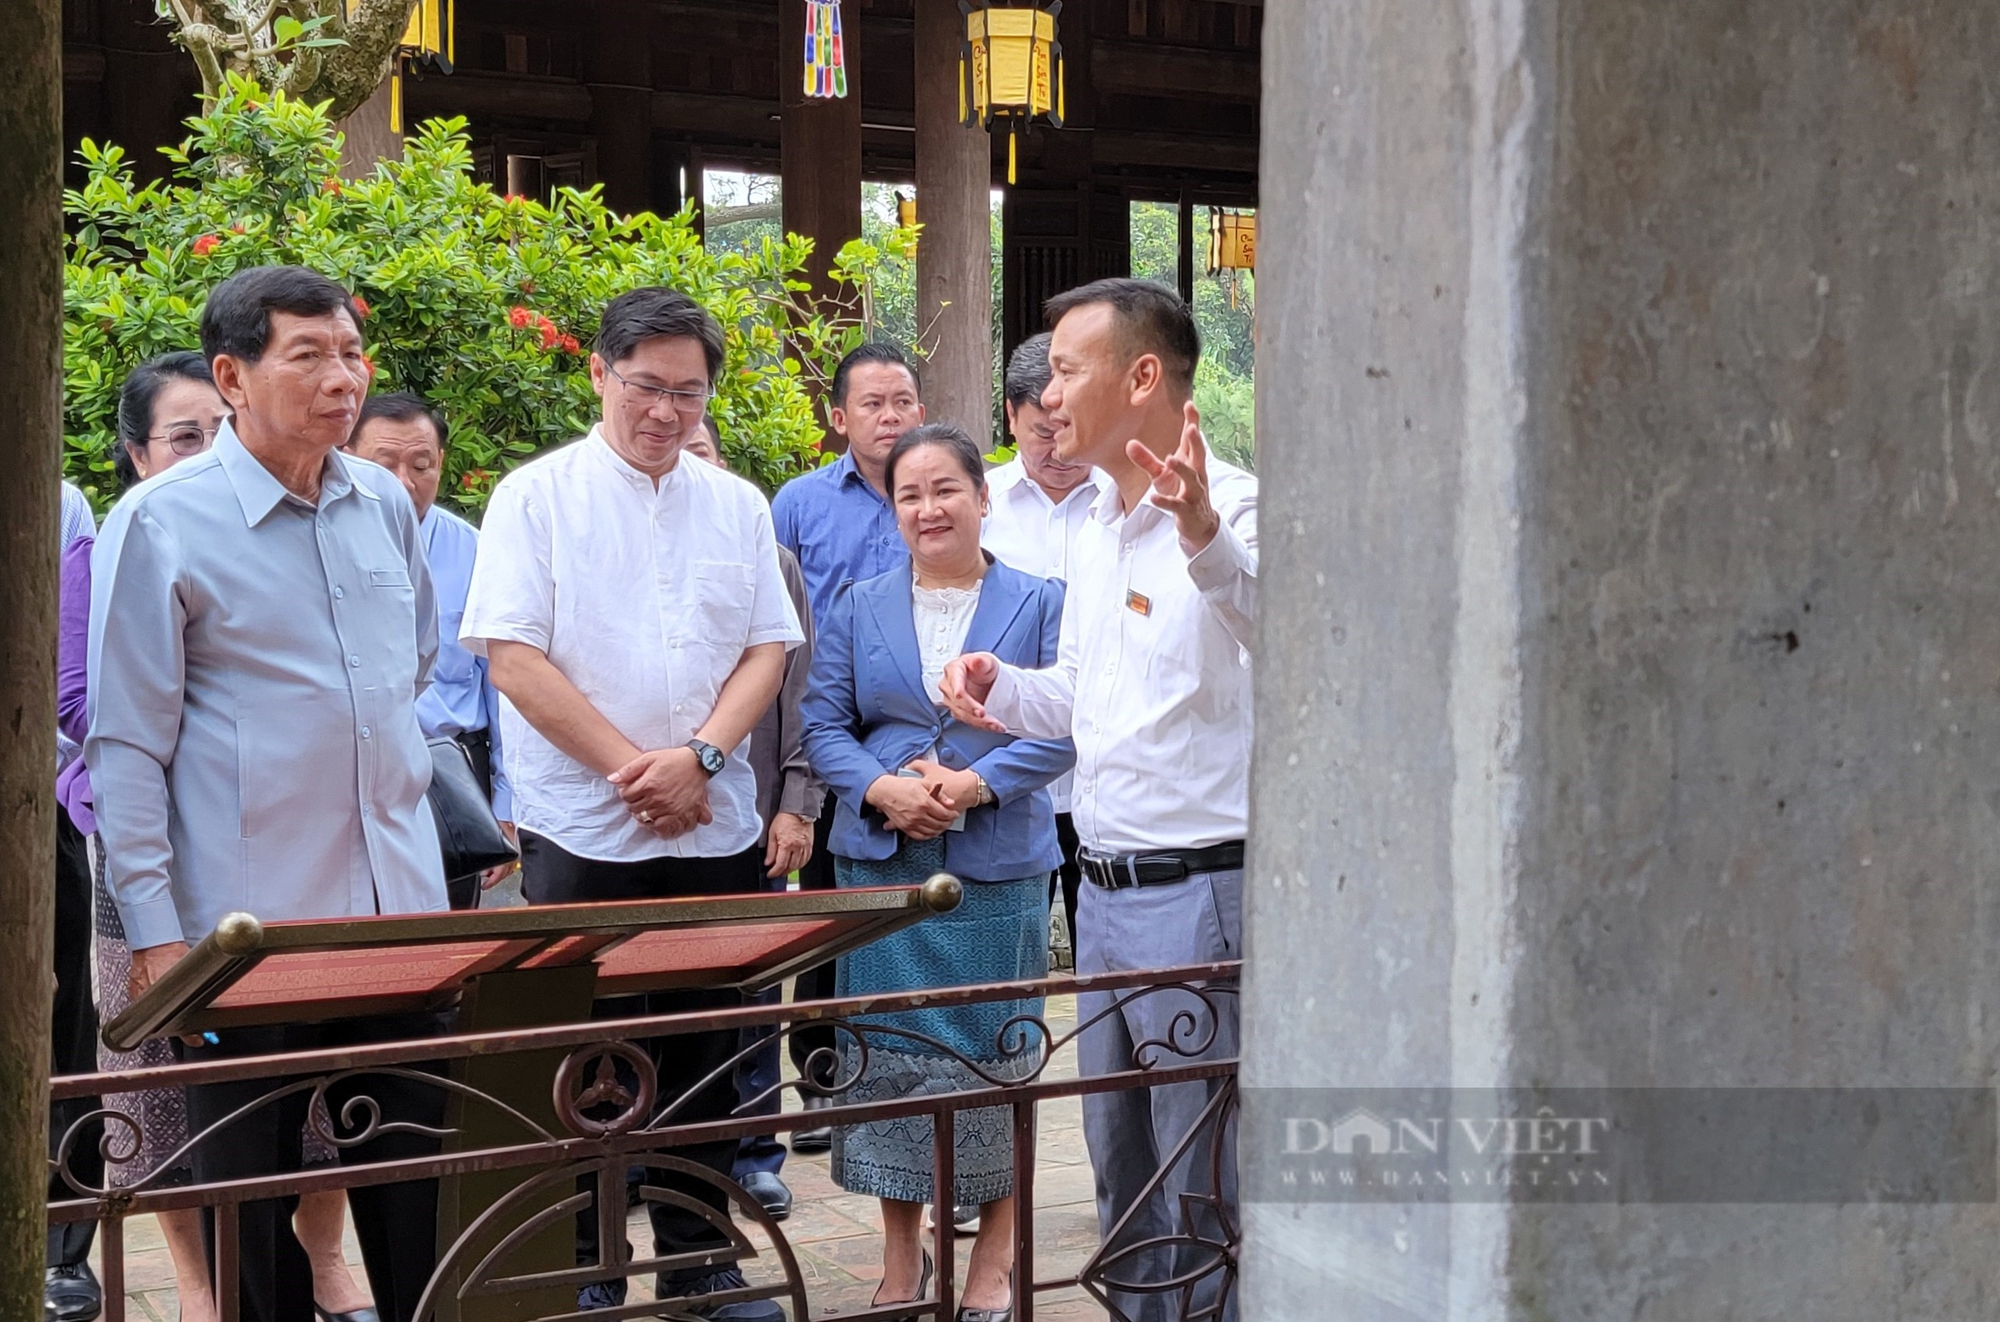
[(834, 1233)]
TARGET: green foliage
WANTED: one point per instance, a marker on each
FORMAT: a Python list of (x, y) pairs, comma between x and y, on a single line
[(1222, 383), (487, 305)]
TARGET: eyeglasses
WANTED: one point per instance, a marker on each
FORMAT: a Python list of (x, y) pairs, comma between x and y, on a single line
[(188, 439), (687, 401)]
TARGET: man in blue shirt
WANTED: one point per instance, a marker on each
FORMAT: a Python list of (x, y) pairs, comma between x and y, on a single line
[(261, 625), (405, 435), (838, 521)]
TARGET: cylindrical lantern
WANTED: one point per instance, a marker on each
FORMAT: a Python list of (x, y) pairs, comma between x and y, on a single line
[(428, 45), (1232, 240), (1010, 67)]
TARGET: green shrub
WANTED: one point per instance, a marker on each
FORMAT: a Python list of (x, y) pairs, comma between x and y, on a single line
[(485, 304)]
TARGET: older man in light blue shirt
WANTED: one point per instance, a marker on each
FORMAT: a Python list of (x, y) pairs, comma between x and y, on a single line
[(262, 621)]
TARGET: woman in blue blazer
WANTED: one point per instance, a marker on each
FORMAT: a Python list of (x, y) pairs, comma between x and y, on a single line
[(920, 793)]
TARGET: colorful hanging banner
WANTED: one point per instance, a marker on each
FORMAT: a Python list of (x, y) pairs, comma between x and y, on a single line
[(826, 53)]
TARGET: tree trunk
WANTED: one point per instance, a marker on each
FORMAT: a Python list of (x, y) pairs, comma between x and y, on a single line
[(30, 447)]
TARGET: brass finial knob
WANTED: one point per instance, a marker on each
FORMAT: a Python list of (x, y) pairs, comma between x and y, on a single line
[(942, 892), (239, 933)]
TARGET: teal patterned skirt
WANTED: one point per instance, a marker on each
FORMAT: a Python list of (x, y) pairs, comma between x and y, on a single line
[(998, 933)]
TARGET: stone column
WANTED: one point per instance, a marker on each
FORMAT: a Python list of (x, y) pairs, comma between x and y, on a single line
[(955, 249), (1627, 679), (30, 446)]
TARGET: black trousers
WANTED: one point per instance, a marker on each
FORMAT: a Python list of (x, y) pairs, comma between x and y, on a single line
[(551, 874), (396, 1223), (816, 984), (73, 1038), (1069, 875)]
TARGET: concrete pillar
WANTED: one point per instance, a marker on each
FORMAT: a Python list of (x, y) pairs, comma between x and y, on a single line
[(955, 249), (1627, 683), (30, 450)]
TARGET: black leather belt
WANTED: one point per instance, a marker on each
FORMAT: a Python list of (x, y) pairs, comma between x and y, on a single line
[(1158, 868)]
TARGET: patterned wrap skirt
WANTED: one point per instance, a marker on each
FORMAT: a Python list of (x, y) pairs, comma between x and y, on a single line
[(998, 933)]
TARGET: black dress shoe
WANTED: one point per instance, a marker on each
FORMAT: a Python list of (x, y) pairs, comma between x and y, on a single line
[(71, 1294), (992, 1314), (770, 1193), (923, 1291), (814, 1140), (358, 1315)]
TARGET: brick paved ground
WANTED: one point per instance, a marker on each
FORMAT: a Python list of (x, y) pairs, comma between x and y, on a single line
[(834, 1233)]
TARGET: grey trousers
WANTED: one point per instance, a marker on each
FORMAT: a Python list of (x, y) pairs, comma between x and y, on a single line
[(1130, 1133)]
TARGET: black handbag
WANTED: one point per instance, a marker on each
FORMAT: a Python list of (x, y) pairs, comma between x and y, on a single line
[(468, 833)]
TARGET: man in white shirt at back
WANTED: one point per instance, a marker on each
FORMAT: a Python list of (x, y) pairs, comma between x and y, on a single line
[(1153, 682), (1038, 505), (633, 616)]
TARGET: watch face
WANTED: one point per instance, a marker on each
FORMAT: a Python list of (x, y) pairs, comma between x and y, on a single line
[(711, 759)]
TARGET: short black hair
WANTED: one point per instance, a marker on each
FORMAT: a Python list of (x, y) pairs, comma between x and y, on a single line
[(948, 435), (714, 428), (1028, 371), (874, 351), (1151, 319), (237, 318), (655, 313), (138, 395), (400, 406)]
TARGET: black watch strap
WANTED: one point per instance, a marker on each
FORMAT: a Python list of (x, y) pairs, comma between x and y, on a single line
[(709, 756)]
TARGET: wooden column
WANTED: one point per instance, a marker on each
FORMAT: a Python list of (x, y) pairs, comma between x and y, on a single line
[(819, 150), (30, 447), (1186, 263), (619, 72), (819, 143), (369, 138), (954, 252)]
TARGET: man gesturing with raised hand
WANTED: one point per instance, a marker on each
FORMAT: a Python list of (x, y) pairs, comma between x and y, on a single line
[(1152, 680)]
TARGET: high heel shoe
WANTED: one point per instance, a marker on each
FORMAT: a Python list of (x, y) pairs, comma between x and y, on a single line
[(923, 1291), (992, 1314)]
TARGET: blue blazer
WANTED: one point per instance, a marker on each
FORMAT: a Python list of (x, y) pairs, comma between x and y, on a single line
[(866, 715)]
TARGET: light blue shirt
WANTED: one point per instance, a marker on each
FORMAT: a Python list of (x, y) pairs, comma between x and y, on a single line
[(77, 520), (839, 528), (461, 697), (255, 662)]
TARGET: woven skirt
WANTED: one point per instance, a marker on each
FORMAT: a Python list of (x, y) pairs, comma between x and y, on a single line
[(998, 933)]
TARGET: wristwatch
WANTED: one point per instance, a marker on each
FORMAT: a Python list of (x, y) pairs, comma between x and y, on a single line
[(709, 756), (986, 794)]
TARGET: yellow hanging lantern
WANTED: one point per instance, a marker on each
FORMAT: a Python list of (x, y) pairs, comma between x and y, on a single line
[(906, 210), (1232, 244), (1010, 67), (1232, 240), (428, 45)]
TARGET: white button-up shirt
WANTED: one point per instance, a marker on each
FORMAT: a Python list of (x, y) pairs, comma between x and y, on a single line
[(255, 662), (1152, 679), (645, 597), (1025, 530)]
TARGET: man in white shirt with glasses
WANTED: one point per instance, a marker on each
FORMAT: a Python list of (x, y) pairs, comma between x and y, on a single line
[(633, 617)]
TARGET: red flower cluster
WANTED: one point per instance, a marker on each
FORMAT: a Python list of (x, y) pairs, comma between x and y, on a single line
[(361, 306), (519, 317), (473, 479), (332, 185), (237, 228), (511, 198), (570, 345), (206, 244), (368, 363)]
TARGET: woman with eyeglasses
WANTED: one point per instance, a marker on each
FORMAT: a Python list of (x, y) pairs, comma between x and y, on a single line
[(168, 410)]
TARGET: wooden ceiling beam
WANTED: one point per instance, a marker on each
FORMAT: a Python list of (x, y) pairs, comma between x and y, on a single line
[(1140, 68)]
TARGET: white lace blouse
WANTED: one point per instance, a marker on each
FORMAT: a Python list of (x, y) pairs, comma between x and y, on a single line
[(943, 616)]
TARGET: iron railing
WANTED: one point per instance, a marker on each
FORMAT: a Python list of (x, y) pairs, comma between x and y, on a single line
[(641, 1127)]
